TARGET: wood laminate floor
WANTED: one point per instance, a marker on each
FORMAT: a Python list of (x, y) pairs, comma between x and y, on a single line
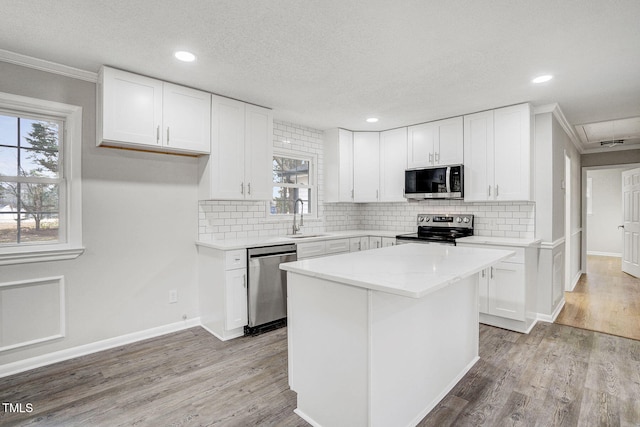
[(554, 376), (604, 300)]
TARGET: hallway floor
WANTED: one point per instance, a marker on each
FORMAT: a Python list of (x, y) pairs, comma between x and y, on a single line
[(604, 300)]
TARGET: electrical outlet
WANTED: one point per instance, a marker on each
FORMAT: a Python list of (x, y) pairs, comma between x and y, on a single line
[(173, 296)]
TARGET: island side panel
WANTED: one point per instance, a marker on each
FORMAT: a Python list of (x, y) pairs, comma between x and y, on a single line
[(420, 348), (328, 350)]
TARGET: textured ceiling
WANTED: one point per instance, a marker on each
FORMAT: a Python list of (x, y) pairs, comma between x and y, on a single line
[(329, 63)]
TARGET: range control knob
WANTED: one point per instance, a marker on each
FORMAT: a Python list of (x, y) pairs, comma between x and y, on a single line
[(466, 219), (458, 220)]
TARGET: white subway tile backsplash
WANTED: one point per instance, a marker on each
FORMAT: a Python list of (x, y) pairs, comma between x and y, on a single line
[(224, 219)]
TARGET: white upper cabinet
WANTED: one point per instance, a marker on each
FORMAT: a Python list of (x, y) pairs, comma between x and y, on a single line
[(258, 153), (338, 165), (366, 167), (148, 114), (186, 115), (239, 167), (393, 162), (435, 143), (497, 153)]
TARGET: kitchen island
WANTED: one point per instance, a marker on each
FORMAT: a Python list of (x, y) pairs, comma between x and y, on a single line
[(378, 338)]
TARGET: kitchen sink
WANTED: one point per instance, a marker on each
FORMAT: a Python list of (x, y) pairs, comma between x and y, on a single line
[(304, 236)]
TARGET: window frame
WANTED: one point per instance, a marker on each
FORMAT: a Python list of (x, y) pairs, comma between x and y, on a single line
[(313, 182), (69, 245)]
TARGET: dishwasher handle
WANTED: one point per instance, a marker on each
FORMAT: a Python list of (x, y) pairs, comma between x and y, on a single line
[(278, 255), (271, 250)]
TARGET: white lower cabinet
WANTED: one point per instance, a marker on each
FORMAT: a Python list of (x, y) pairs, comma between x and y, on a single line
[(375, 242), (222, 286), (507, 290), (358, 244), (388, 241), (235, 283)]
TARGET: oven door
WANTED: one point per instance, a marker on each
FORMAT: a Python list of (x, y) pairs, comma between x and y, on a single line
[(402, 239)]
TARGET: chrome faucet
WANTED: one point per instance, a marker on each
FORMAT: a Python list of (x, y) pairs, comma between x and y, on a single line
[(296, 227)]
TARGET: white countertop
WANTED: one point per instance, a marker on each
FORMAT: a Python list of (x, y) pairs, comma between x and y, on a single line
[(254, 242), (412, 270), (499, 241)]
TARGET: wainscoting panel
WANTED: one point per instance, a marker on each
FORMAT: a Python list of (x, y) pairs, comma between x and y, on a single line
[(31, 311)]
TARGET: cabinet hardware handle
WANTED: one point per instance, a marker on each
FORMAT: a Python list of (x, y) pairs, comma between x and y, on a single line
[(249, 188), (430, 157), (242, 188), (244, 280), (167, 135), (483, 273), (492, 272), (352, 193), (437, 156), (377, 244), (489, 192), (496, 191), (359, 246), (158, 135), (377, 194)]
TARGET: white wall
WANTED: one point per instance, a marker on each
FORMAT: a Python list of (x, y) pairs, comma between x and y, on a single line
[(603, 236), (139, 226)]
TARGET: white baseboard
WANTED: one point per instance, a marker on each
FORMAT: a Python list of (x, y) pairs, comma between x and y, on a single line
[(575, 280), (83, 350), (598, 253), (551, 318)]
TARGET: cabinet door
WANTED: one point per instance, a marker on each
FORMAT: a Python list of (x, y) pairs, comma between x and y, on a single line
[(507, 290), (420, 142), (449, 148), (388, 241), (355, 244), (338, 165), (483, 291), (258, 152), (236, 298), (478, 156), (366, 166), (393, 162), (375, 242), (131, 108), (512, 142), (186, 117), (226, 163)]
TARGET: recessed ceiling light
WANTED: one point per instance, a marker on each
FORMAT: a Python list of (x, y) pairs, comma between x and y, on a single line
[(372, 119), (185, 56), (542, 79)]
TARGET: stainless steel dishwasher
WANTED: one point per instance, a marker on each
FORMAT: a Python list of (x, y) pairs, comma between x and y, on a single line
[(267, 290)]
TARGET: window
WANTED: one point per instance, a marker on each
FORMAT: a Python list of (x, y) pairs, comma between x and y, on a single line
[(293, 179), (40, 186), (31, 179)]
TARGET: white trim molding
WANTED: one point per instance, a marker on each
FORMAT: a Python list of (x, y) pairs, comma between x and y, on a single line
[(552, 318), (71, 246), (51, 67), (552, 245), (559, 115), (70, 353), (611, 254), (26, 321)]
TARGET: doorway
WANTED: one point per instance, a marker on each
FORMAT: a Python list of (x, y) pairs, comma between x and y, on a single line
[(605, 299)]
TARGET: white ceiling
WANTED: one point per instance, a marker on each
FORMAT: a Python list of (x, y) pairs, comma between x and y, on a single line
[(333, 63)]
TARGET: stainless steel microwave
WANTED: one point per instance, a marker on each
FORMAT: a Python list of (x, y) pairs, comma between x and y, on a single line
[(439, 182)]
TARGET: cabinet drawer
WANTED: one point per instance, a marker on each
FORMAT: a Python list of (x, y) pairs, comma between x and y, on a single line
[(311, 249), (337, 246), (235, 259)]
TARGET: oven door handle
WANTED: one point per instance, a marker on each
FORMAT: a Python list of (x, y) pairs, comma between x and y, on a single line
[(448, 179)]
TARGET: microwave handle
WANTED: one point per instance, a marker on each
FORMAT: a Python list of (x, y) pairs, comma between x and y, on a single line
[(448, 179)]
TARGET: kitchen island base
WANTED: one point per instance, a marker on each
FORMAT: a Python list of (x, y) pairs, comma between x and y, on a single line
[(362, 357)]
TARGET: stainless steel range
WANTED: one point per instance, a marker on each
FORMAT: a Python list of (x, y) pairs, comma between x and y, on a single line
[(439, 228)]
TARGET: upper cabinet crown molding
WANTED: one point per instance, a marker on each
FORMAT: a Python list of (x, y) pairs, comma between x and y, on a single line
[(148, 114)]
